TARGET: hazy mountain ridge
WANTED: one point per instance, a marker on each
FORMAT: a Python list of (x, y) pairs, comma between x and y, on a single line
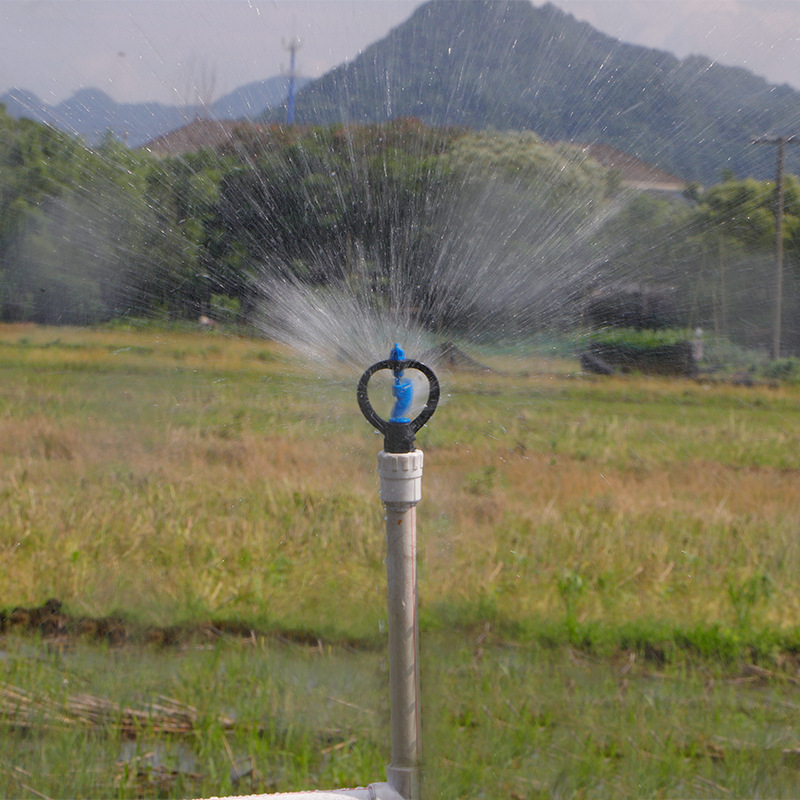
[(91, 113), (510, 65)]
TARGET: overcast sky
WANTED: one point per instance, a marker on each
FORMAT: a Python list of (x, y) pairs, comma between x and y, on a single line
[(162, 50)]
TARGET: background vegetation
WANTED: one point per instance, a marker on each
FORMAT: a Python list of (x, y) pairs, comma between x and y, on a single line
[(91, 234)]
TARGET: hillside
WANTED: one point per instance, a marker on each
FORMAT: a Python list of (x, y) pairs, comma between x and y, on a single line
[(90, 113), (511, 65)]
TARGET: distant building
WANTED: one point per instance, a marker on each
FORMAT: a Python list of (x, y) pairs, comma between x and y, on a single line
[(199, 135), (634, 173)]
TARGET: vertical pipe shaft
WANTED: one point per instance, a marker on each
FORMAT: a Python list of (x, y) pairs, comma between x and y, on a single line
[(401, 482), (290, 103), (776, 328), (401, 557)]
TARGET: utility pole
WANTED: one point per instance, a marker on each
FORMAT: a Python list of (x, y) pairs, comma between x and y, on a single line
[(293, 46), (780, 142)]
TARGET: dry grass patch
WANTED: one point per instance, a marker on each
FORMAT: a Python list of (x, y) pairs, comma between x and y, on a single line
[(224, 481), (664, 543)]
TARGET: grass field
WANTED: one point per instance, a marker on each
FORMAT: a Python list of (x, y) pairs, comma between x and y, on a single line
[(609, 575)]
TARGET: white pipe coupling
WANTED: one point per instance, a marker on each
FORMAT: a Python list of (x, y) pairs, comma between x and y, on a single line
[(401, 478)]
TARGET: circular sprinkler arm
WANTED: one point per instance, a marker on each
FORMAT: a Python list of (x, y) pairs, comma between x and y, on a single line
[(399, 431)]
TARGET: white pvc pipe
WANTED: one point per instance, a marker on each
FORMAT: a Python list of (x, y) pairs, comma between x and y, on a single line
[(401, 490)]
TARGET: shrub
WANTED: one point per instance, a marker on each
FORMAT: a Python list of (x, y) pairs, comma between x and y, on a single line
[(660, 352), (784, 369)]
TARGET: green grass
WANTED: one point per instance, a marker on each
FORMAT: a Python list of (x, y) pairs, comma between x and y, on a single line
[(501, 720), (609, 573), (533, 723), (268, 716)]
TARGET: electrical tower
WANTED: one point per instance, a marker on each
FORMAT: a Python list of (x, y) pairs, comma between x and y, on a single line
[(293, 46)]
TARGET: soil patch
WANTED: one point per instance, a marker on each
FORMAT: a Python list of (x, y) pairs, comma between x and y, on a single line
[(52, 621)]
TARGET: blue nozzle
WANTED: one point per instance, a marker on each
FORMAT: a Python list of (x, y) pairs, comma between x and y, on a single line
[(402, 390), (397, 353)]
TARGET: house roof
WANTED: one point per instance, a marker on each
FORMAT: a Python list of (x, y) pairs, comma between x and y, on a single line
[(197, 135), (634, 172)]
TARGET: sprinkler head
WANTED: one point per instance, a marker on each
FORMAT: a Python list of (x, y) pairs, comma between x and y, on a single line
[(399, 430)]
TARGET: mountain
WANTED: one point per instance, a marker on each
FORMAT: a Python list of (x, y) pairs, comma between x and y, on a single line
[(249, 101), (510, 65), (90, 113)]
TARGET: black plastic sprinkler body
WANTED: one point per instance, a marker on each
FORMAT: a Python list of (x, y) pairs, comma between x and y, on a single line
[(399, 431)]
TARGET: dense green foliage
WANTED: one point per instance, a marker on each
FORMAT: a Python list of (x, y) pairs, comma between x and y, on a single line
[(642, 339), (82, 233), (89, 234)]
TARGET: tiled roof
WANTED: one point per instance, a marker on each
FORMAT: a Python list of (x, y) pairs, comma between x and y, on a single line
[(633, 171), (197, 135)]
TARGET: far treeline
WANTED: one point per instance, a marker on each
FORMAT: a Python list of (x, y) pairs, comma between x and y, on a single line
[(92, 234)]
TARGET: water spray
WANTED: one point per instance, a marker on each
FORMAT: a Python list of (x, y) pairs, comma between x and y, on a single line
[(400, 470)]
